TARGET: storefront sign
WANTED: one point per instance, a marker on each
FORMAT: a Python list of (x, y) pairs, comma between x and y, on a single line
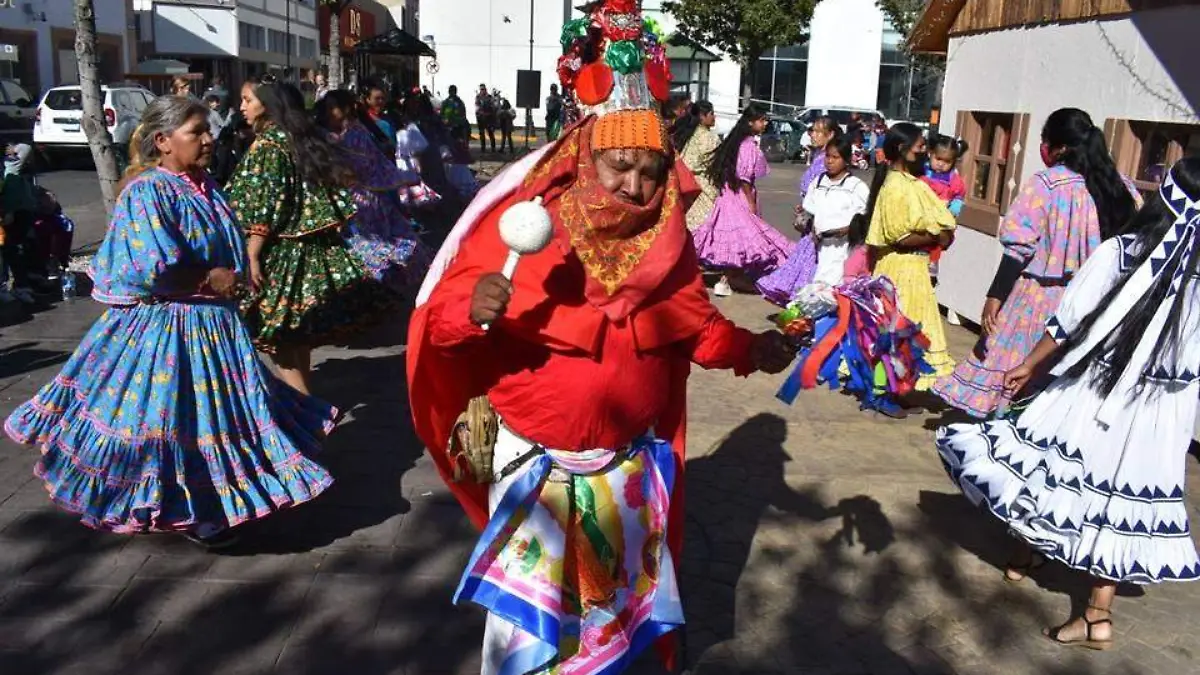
[(355, 25)]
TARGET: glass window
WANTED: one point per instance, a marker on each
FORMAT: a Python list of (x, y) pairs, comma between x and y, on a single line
[(764, 70), (1145, 151), (791, 79), (793, 52), (64, 99), (993, 133)]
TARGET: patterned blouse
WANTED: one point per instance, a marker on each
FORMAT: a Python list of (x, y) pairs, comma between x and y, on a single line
[(272, 198), (1052, 225)]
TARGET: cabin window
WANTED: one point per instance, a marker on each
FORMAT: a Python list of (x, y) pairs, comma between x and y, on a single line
[(1144, 151), (991, 166)]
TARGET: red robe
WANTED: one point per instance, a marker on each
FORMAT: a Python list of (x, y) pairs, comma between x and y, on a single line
[(559, 369)]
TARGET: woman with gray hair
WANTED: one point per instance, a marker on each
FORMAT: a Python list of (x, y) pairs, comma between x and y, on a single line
[(164, 419)]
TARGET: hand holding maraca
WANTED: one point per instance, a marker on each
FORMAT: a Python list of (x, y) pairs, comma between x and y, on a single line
[(525, 228)]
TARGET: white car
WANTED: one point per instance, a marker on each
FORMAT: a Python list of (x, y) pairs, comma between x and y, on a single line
[(57, 129)]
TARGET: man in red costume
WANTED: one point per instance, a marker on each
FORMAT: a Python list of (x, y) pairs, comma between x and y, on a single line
[(583, 357)]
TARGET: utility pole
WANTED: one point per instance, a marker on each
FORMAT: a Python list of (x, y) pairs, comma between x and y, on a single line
[(529, 111), (287, 17)]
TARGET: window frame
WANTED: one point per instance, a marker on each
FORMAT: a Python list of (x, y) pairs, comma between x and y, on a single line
[(980, 215), (1126, 144)]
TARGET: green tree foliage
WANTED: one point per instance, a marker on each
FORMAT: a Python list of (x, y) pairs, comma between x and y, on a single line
[(743, 29)]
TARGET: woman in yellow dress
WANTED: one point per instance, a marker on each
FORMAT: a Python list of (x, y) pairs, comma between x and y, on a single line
[(907, 220), (695, 140)]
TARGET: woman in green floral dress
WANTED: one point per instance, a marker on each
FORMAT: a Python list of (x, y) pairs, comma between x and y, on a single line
[(309, 288)]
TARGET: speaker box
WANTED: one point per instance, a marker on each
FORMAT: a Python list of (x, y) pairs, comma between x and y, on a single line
[(529, 89)]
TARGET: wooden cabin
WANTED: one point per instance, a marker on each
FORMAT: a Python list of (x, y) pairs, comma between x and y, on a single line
[(1010, 63)]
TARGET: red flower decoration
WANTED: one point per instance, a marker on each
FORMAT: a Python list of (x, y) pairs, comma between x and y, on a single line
[(621, 6), (658, 79), (594, 83)]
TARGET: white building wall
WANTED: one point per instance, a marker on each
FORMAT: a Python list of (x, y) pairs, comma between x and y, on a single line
[(477, 45), (27, 15), (843, 54), (1137, 67)]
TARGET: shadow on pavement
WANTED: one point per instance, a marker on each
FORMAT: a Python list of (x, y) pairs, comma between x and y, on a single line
[(25, 357)]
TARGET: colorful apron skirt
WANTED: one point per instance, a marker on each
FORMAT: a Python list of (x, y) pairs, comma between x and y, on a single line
[(573, 567)]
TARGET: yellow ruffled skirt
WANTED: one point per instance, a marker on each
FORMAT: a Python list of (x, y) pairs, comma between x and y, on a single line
[(910, 273)]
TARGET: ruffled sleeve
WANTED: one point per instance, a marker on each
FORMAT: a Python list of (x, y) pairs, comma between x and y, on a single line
[(1025, 221), (144, 239), (410, 141), (264, 190), (751, 162), (905, 206)]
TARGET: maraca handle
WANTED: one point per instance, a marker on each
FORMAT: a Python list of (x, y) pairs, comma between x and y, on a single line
[(510, 266)]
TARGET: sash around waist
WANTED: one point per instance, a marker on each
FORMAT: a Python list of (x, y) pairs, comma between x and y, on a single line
[(512, 451)]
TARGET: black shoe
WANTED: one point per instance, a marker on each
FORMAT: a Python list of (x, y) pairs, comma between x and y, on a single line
[(222, 539)]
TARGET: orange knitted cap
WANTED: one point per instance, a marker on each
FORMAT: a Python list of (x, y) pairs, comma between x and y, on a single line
[(640, 129)]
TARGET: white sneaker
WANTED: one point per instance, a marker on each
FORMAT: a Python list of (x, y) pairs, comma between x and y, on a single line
[(24, 295), (722, 289)]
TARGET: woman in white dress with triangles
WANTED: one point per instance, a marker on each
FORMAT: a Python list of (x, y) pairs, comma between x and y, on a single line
[(1092, 473)]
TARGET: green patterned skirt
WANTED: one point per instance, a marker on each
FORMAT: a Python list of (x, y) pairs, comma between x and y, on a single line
[(316, 293)]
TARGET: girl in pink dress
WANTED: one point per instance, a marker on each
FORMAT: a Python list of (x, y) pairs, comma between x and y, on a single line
[(735, 238)]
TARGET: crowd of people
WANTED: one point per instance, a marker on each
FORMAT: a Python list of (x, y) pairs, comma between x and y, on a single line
[(550, 387)]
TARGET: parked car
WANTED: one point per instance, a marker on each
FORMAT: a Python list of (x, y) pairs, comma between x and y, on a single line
[(842, 115), (17, 110), (781, 141), (57, 130)]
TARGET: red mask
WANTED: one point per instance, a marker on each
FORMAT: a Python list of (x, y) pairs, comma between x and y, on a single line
[(1047, 156)]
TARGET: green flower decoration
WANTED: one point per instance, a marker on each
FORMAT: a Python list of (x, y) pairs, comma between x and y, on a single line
[(625, 57), (652, 26), (573, 30)]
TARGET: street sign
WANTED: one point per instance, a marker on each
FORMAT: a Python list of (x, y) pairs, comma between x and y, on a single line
[(432, 67)]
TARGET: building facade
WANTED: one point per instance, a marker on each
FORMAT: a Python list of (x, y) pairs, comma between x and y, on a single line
[(1010, 64), (236, 39), (37, 42)]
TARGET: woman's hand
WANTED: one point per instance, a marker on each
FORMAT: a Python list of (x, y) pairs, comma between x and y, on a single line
[(1016, 379), (991, 313), (222, 281), (257, 279)]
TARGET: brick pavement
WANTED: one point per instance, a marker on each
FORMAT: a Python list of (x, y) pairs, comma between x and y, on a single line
[(820, 539)]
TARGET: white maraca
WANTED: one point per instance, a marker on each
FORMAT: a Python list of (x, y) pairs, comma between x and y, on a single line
[(525, 228)]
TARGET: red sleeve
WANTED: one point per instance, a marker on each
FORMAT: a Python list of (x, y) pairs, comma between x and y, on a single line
[(721, 344), (450, 322), (958, 189)]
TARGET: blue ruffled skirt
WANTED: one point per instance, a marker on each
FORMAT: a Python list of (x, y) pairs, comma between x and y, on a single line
[(164, 419)]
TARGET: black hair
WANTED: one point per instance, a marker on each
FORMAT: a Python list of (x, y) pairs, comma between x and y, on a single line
[(453, 90), (317, 159), (900, 138), (1149, 226), (212, 98), (1085, 153), (723, 167), (685, 127), (343, 100), (938, 142), (826, 122), (844, 146)]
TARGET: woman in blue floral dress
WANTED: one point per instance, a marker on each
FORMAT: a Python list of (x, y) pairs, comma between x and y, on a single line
[(164, 419), (380, 233)]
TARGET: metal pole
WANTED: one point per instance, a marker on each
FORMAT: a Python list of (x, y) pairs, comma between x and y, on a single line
[(909, 97), (529, 111), (287, 13)]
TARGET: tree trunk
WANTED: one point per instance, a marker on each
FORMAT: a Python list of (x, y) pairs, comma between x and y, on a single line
[(335, 46), (99, 140), (750, 75)]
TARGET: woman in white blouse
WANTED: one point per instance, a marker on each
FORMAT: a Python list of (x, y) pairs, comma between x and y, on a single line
[(834, 199)]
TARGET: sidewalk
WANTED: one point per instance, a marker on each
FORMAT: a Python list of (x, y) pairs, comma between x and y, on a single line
[(820, 539)]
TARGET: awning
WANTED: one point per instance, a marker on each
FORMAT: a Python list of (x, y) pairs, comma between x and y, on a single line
[(395, 42), (931, 34), (680, 48), (162, 67)]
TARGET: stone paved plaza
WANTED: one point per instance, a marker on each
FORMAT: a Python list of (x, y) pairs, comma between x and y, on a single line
[(820, 539)]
